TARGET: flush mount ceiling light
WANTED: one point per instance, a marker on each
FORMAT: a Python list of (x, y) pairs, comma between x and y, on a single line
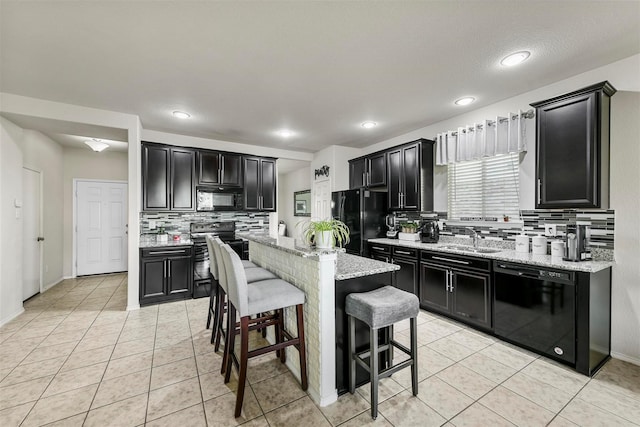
[(465, 101), (96, 144), (285, 133), (515, 58), (181, 114), (369, 125)]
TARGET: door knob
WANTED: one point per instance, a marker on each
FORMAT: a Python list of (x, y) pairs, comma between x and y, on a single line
[(40, 239)]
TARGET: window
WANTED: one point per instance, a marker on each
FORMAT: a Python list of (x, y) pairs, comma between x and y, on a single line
[(488, 187)]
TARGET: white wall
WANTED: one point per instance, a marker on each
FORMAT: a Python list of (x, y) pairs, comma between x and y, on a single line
[(41, 153), (288, 184), (625, 199), (83, 163), (10, 226)]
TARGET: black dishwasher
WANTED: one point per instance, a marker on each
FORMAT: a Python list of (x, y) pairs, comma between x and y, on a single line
[(535, 308)]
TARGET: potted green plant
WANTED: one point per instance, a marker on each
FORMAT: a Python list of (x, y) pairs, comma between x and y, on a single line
[(409, 227), (326, 233)]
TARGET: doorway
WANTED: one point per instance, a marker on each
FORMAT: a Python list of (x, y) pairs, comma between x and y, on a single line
[(101, 227), (322, 199), (31, 233)]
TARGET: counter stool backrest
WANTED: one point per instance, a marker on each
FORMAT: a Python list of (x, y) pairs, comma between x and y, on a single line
[(222, 274), (237, 288), (213, 265)]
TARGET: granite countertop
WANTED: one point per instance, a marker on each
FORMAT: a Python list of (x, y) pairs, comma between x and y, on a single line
[(350, 266), (150, 242), (506, 255), (287, 244)]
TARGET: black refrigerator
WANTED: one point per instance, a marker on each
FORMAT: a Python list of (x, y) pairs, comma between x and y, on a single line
[(364, 212)]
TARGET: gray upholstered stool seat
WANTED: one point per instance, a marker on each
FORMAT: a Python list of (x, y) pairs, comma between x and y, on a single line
[(382, 307), (257, 274), (248, 264), (269, 295)]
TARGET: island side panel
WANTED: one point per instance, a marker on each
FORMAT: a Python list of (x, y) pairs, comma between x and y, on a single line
[(315, 276)]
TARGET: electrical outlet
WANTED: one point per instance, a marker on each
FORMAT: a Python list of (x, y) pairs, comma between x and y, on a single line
[(550, 230), (260, 222)]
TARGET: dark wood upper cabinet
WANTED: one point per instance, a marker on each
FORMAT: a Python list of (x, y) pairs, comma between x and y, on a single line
[(572, 150), (155, 177), (221, 169), (168, 178), (259, 184), (182, 190), (410, 176), (368, 171)]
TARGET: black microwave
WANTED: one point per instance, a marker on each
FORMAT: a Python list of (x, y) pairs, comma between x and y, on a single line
[(219, 199)]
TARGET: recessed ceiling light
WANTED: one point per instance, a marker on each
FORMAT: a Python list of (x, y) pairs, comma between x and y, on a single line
[(96, 145), (369, 125), (465, 101), (181, 114), (285, 133), (515, 58)]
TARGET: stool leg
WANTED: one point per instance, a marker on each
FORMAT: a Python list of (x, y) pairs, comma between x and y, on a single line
[(242, 371), (301, 346), (211, 303), (215, 336), (390, 350), (280, 334), (229, 343), (414, 356), (373, 374), (351, 338), (213, 313)]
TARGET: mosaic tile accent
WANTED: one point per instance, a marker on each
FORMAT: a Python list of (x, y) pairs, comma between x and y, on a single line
[(178, 222), (602, 224)]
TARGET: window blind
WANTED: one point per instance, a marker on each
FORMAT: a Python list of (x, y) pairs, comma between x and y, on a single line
[(488, 187)]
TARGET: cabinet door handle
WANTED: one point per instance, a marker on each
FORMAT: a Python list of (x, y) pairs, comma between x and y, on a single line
[(164, 268), (446, 272), (451, 260), (364, 178), (168, 268), (450, 281), (539, 190)]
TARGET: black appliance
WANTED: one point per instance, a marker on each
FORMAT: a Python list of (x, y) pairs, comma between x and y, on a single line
[(429, 231), (577, 243), (226, 230), (219, 199), (364, 212), (536, 308)]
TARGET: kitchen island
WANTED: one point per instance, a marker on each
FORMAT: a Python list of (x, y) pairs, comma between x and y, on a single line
[(326, 277)]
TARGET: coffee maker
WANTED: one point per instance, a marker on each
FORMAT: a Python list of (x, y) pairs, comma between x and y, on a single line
[(392, 225), (577, 243), (429, 231)]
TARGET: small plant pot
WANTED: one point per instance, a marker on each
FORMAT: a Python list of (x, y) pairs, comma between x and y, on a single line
[(324, 239)]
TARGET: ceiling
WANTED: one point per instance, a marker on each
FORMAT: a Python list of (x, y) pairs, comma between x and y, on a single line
[(243, 70)]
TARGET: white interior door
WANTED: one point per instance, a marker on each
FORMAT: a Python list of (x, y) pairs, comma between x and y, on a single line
[(31, 232), (101, 218), (322, 199)]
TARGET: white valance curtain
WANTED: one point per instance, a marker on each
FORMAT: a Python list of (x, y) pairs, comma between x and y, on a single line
[(489, 138)]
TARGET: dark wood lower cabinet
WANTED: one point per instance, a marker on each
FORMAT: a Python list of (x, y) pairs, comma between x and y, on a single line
[(407, 277), (166, 274)]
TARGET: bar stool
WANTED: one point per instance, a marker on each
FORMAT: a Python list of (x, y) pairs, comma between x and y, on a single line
[(213, 276), (253, 274), (248, 299), (381, 308)]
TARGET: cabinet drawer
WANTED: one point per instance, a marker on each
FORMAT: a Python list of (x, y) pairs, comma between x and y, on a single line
[(455, 260), (405, 252), (167, 251), (380, 249)]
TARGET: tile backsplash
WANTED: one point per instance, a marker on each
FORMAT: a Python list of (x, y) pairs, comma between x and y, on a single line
[(178, 222)]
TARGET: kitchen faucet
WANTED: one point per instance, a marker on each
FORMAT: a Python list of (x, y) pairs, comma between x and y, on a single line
[(474, 236)]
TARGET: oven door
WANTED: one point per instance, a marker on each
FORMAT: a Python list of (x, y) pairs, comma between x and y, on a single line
[(535, 308)]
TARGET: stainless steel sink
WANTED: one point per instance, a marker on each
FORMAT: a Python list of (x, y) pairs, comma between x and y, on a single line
[(471, 249)]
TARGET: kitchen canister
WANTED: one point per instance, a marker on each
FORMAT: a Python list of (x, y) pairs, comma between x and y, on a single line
[(522, 243), (539, 245), (557, 249)]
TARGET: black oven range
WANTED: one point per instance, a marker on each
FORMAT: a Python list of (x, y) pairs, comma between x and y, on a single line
[(226, 231)]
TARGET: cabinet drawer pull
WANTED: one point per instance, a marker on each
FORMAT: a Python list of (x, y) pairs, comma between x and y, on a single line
[(378, 248), (166, 252), (452, 260), (403, 252)]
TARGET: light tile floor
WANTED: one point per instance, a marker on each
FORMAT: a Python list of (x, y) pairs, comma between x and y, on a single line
[(76, 357)]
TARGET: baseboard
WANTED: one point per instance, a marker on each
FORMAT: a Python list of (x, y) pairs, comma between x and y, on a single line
[(52, 284), (132, 307), (12, 316), (625, 358)]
